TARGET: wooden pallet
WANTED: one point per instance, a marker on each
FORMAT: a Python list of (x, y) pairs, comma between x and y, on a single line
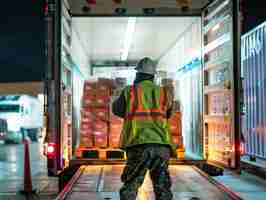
[(100, 153)]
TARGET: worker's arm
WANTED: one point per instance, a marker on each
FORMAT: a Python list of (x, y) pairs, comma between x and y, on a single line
[(169, 112), (119, 106)]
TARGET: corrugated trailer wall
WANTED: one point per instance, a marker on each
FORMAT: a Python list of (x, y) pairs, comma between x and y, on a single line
[(191, 100), (183, 60), (254, 83)]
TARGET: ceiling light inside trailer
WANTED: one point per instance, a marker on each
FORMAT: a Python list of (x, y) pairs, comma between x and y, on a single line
[(129, 37)]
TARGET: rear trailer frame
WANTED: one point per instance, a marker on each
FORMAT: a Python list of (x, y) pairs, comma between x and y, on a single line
[(56, 89), (67, 192)]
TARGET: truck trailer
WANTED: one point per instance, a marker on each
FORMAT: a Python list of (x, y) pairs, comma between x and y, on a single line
[(195, 45)]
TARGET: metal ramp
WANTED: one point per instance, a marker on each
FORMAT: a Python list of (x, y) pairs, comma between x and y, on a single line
[(102, 182)]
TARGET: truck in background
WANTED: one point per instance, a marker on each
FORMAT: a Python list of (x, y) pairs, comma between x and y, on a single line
[(23, 114), (3, 130)]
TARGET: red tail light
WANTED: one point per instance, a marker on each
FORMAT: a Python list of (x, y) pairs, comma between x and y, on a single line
[(51, 150), (91, 2), (117, 1)]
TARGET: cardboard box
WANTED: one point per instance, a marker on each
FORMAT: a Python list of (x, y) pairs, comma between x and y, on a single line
[(175, 118), (87, 102), (110, 83), (96, 104), (87, 112), (100, 127), (89, 86), (100, 139), (86, 126), (178, 140), (86, 133), (114, 119), (86, 142), (115, 127), (102, 100), (101, 114), (86, 119), (114, 141), (167, 82), (103, 90), (90, 96), (175, 131)]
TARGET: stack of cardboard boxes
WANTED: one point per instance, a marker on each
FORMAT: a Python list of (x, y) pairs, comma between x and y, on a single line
[(95, 113), (100, 128)]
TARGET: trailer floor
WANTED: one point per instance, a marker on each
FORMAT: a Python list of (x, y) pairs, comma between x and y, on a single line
[(246, 185), (103, 182)]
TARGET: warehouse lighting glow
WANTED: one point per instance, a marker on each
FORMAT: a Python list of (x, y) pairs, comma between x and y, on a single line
[(129, 37)]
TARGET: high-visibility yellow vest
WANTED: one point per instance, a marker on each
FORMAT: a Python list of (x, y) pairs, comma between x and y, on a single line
[(145, 121)]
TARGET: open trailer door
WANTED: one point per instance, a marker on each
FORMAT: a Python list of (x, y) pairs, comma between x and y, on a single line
[(221, 72)]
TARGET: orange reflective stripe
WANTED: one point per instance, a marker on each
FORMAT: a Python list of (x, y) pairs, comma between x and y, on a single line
[(132, 98), (146, 115), (140, 108), (146, 112), (150, 117), (154, 110)]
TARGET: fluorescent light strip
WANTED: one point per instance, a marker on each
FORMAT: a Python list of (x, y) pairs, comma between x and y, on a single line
[(129, 37)]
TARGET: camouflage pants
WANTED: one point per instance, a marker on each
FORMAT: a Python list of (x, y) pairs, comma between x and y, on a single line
[(140, 159)]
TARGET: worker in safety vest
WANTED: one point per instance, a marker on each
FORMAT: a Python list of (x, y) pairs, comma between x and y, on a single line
[(145, 108)]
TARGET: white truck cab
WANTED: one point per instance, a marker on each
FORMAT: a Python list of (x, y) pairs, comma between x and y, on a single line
[(23, 114)]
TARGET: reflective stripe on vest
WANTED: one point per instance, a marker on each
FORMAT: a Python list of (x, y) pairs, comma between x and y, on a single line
[(137, 111)]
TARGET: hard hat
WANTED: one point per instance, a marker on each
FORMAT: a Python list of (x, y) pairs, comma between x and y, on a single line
[(147, 66)]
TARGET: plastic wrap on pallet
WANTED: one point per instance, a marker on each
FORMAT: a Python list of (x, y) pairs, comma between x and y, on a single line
[(254, 73)]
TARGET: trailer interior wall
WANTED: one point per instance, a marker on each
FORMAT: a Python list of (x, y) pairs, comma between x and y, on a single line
[(254, 84), (182, 63), (81, 72), (75, 68)]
